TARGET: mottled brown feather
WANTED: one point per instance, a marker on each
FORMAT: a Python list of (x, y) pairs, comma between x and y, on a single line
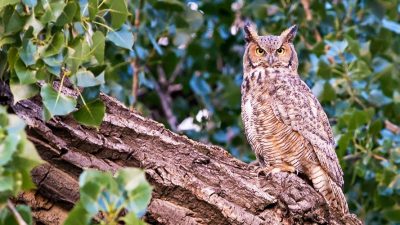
[(284, 123)]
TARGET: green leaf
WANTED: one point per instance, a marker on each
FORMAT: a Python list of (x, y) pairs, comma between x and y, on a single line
[(101, 179), (12, 57), (85, 78), (4, 3), (139, 190), (77, 216), (359, 70), (25, 213), (91, 114), (25, 75), (79, 53), (6, 40), (181, 38), (52, 9), (172, 5), (68, 14), (8, 148), (132, 219), (56, 102), (15, 23), (98, 46), (30, 3), (35, 24), (119, 13), (23, 91), (392, 214), (6, 182), (28, 53), (28, 154), (122, 38), (194, 19), (56, 45), (328, 93), (93, 9)]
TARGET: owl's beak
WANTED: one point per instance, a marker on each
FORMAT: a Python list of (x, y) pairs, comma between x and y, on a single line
[(270, 60)]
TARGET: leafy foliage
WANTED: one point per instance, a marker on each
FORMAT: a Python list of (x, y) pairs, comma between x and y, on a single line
[(108, 197), (18, 157), (48, 40)]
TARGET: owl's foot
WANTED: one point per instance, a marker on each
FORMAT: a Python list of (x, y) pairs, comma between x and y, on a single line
[(268, 171)]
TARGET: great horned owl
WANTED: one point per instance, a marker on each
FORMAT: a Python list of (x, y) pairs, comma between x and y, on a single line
[(285, 124)]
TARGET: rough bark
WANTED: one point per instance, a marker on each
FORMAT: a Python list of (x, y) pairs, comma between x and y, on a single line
[(194, 183)]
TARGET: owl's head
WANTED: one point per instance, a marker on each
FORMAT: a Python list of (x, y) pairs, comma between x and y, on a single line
[(270, 51)]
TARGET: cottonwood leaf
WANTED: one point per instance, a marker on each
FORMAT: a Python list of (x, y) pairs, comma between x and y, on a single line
[(119, 13), (28, 53), (91, 114), (52, 9), (98, 46), (55, 47), (24, 74), (56, 102), (23, 91), (122, 38), (85, 78)]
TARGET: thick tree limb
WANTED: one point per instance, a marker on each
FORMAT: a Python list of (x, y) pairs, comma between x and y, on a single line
[(193, 183)]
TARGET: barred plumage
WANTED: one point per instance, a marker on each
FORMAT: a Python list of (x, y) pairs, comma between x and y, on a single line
[(284, 122)]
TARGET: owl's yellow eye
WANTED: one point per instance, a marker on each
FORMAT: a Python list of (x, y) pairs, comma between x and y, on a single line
[(259, 51), (280, 50)]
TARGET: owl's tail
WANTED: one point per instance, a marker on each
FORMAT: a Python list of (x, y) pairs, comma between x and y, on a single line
[(332, 192)]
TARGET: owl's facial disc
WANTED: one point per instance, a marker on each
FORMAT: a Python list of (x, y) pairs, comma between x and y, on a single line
[(269, 55), (270, 51)]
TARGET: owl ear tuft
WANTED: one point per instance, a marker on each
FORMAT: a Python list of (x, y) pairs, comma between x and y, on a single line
[(250, 32), (289, 34)]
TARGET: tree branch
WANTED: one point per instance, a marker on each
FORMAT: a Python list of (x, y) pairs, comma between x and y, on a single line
[(193, 183)]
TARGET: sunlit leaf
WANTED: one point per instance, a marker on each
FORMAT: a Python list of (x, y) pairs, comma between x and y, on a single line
[(7, 2), (57, 42), (132, 219), (28, 53), (77, 216), (80, 53), (67, 14), (98, 46), (55, 102), (139, 190), (119, 13), (85, 78), (53, 10), (25, 75), (15, 23), (93, 9), (122, 38), (6, 40), (35, 24), (23, 91)]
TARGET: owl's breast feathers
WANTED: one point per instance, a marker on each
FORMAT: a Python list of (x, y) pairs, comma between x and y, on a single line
[(293, 104)]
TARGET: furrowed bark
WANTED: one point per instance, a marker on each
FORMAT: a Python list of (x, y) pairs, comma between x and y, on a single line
[(194, 183)]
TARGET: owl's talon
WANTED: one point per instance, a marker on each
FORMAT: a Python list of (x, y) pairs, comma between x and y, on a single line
[(268, 171)]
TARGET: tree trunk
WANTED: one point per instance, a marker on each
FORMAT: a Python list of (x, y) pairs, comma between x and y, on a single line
[(194, 183)]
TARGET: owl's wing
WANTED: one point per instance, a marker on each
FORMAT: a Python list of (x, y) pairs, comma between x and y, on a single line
[(295, 105)]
